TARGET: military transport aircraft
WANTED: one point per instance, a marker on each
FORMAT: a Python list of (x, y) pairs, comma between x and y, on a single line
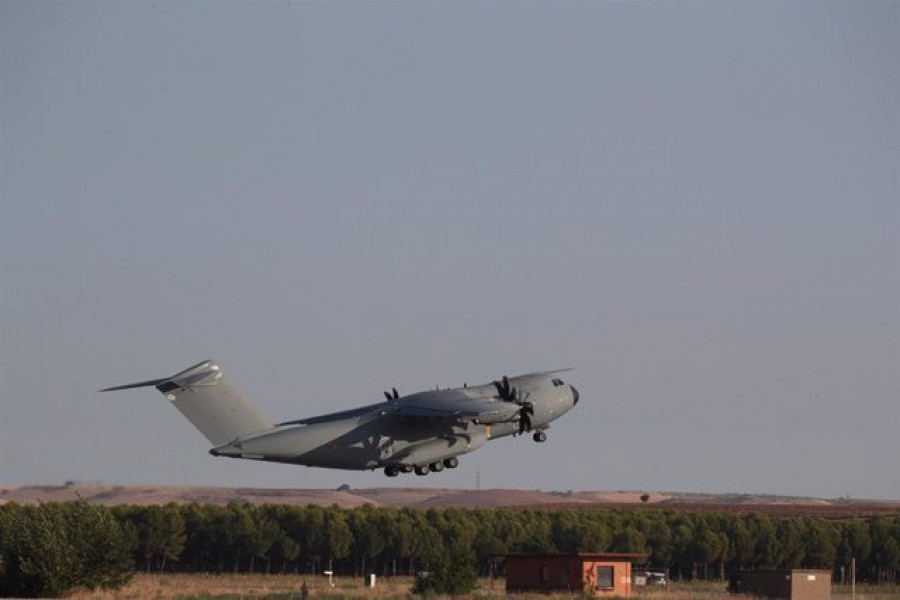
[(422, 432)]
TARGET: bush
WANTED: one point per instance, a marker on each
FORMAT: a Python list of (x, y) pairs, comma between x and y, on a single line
[(454, 576), (51, 549)]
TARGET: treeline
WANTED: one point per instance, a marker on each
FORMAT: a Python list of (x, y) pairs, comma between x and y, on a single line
[(391, 541)]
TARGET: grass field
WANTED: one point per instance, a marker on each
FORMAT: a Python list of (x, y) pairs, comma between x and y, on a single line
[(287, 587), (166, 586)]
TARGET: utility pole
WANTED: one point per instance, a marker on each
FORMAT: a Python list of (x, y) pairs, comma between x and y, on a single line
[(853, 578)]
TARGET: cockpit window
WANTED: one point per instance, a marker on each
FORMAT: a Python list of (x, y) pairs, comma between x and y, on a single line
[(557, 382)]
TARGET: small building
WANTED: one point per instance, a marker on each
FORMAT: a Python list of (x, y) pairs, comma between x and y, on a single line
[(790, 584), (598, 574)]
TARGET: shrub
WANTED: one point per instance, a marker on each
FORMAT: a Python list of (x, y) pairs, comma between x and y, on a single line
[(454, 576), (51, 549)]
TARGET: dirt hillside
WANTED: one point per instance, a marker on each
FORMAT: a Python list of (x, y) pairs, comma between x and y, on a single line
[(439, 497)]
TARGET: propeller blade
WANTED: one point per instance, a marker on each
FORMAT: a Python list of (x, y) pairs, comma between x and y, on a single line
[(525, 422), (388, 395), (396, 395), (503, 389)]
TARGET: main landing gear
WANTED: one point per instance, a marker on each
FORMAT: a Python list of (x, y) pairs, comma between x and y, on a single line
[(422, 470)]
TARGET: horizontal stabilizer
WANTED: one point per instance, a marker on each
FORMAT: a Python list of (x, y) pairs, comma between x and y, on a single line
[(183, 379), (129, 386)]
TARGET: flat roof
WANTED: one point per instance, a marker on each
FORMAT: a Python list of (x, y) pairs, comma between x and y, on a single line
[(797, 570)]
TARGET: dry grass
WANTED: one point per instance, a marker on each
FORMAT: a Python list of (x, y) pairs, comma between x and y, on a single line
[(287, 587), (196, 585)]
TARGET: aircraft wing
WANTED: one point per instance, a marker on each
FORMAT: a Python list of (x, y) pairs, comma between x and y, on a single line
[(542, 373), (454, 405), (337, 416)]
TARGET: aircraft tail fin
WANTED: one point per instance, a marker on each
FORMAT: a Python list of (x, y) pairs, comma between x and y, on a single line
[(208, 401)]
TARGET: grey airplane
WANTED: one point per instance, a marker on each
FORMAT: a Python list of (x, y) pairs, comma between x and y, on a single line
[(423, 432)]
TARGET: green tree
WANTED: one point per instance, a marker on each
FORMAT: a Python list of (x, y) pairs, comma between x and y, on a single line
[(454, 575), (53, 548), (855, 542), (103, 545), (567, 530), (368, 535), (158, 533), (428, 545), (398, 539), (285, 550), (767, 550), (629, 540), (662, 547), (791, 537), (338, 538), (707, 546), (252, 533), (821, 544), (885, 535)]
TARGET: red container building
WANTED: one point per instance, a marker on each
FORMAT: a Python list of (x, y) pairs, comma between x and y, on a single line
[(597, 574)]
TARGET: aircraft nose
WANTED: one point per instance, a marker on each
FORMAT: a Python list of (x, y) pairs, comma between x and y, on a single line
[(575, 395)]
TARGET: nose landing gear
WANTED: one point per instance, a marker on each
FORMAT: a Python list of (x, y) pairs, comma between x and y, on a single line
[(540, 437)]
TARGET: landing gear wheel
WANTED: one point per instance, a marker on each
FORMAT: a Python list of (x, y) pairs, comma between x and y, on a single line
[(392, 471), (451, 463), (540, 437), (422, 470), (406, 468), (437, 467)]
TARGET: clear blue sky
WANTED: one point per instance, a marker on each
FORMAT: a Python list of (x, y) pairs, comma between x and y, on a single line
[(693, 203)]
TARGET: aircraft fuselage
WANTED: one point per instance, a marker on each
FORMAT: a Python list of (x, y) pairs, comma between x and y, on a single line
[(424, 432), (381, 439)]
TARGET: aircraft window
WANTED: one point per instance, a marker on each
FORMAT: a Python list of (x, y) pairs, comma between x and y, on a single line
[(557, 382)]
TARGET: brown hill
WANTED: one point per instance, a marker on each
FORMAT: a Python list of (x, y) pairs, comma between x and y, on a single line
[(439, 497)]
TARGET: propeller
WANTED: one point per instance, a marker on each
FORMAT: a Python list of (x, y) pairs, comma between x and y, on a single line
[(503, 390), (525, 412), (388, 395), (510, 394)]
